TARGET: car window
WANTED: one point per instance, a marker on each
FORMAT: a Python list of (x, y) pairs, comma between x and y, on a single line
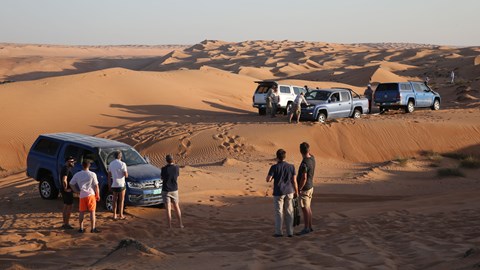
[(424, 87), (129, 156), (387, 87), (317, 95), (297, 90), (262, 89), (47, 147), (345, 96), (417, 87), (335, 97), (285, 89), (405, 87)]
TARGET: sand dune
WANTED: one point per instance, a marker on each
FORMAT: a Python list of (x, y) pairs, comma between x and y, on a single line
[(380, 201)]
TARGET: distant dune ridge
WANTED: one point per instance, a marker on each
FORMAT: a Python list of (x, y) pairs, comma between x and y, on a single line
[(380, 201)]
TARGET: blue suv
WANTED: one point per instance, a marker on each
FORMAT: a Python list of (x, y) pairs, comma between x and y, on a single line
[(48, 153)]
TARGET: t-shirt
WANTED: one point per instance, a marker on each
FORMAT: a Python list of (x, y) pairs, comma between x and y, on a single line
[(117, 168), (282, 174), (169, 176), (66, 171), (275, 97), (299, 99), (308, 166), (86, 181)]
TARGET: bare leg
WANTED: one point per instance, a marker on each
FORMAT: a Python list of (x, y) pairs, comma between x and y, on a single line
[(176, 205), (114, 206), (305, 217), (309, 211), (92, 220), (168, 205), (80, 218), (121, 201), (298, 117)]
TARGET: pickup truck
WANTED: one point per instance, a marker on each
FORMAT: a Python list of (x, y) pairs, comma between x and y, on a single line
[(332, 103), (47, 155), (406, 95), (287, 96)]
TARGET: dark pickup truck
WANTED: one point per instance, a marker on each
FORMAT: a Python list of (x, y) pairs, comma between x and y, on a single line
[(48, 153)]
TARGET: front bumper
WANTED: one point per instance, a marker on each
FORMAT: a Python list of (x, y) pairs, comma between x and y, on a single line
[(307, 114), (144, 197)]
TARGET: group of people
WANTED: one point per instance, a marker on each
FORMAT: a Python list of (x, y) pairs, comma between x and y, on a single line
[(287, 186), (85, 183), (272, 100)]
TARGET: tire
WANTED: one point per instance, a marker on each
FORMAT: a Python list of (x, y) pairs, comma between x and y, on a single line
[(436, 105), (108, 201), (322, 117), (410, 107), (356, 114), (262, 111), (288, 109), (48, 190)]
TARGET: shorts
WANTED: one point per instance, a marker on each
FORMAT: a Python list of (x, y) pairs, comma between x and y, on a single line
[(67, 198), (118, 189), (168, 196), (306, 198), (88, 204), (296, 109)]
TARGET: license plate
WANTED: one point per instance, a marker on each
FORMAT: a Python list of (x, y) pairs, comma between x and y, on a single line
[(157, 191)]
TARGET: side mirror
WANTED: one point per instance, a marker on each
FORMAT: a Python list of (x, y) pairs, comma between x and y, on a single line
[(147, 159)]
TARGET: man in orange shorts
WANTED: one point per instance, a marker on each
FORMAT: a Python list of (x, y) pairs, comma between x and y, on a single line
[(87, 184)]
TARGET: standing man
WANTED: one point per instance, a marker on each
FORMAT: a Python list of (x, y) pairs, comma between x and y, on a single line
[(89, 194), (305, 185), (170, 174), (297, 106), (369, 95), (285, 188), (268, 101), (275, 100), (452, 77), (67, 193), (117, 172)]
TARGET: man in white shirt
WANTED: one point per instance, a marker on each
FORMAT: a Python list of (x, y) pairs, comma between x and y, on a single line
[(117, 172), (297, 108), (85, 182)]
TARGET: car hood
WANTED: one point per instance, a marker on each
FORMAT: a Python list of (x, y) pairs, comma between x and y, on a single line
[(143, 172), (317, 102)]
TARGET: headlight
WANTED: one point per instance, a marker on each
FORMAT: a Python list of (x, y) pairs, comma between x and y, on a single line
[(135, 185)]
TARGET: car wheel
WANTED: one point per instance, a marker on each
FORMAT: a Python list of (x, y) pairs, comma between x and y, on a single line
[(262, 111), (436, 105), (108, 202), (47, 189), (356, 114), (288, 109), (322, 117), (410, 107)]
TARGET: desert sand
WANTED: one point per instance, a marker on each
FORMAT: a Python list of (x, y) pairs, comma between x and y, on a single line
[(379, 200)]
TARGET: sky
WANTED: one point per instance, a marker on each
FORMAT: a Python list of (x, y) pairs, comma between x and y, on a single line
[(155, 22)]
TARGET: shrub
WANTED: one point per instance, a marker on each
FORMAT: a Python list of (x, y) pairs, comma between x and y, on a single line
[(402, 161), (455, 155), (450, 172), (470, 162)]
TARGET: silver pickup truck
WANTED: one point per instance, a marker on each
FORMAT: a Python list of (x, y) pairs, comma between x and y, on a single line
[(326, 104)]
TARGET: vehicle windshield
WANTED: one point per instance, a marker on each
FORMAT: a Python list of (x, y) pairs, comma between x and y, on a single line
[(317, 95), (129, 156)]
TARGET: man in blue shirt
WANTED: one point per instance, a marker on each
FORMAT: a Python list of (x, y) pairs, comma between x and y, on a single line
[(285, 188)]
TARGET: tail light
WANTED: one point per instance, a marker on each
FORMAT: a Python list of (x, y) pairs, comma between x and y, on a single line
[(253, 98), (398, 97)]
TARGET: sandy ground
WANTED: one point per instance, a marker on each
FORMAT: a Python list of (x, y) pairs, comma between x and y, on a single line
[(379, 202)]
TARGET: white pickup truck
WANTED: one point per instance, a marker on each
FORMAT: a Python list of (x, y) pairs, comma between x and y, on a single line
[(287, 96)]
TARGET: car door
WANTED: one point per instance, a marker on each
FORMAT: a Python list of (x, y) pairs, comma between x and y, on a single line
[(345, 104), (334, 105), (419, 94), (427, 97), (82, 153)]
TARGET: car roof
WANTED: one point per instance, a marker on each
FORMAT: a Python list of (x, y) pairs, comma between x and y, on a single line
[(84, 140)]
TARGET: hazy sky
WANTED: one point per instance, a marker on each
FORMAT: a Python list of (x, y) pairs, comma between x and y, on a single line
[(149, 22)]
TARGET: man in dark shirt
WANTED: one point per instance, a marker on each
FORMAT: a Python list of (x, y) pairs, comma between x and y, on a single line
[(170, 174), (284, 190), (67, 194), (305, 185)]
